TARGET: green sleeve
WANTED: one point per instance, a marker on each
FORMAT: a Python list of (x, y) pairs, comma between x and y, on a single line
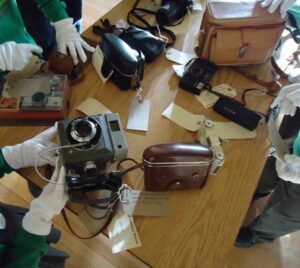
[(27, 251), (55, 10), (4, 167), (296, 145)]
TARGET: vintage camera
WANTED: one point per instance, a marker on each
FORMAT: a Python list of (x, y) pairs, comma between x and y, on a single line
[(87, 146), (50, 96), (214, 143), (196, 76), (42, 101), (172, 11)]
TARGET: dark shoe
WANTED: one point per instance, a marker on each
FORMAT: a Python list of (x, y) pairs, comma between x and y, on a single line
[(246, 238)]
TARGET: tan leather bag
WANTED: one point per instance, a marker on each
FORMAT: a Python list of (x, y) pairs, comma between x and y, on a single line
[(239, 33)]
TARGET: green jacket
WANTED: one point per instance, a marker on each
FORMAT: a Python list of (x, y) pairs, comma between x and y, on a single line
[(28, 248), (12, 25)]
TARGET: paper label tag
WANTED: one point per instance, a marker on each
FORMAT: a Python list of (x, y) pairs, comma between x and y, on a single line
[(138, 115), (230, 130), (179, 69), (91, 106), (122, 233), (179, 56), (97, 61), (207, 99), (183, 118), (144, 203), (225, 89)]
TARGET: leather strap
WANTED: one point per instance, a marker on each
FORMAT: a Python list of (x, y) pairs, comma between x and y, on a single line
[(153, 29), (109, 214), (272, 86)]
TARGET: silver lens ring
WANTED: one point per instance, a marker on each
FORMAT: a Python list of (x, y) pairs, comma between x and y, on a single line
[(83, 130)]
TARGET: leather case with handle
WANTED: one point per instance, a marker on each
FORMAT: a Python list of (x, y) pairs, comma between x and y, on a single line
[(176, 166), (239, 33)]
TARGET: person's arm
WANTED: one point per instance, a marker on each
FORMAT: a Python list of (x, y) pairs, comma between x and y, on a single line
[(67, 37), (288, 100), (30, 244), (4, 167), (55, 10), (27, 251)]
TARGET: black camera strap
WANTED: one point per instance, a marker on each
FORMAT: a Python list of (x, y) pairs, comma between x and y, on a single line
[(109, 214), (155, 30)]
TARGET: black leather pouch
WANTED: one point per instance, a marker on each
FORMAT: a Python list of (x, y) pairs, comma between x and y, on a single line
[(144, 41), (127, 63)]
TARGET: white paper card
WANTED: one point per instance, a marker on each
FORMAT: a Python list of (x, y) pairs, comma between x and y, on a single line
[(197, 7), (225, 89), (178, 56), (122, 233), (179, 69), (207, 99), (97, 61), (138, 115), (91, 106), (230, 130), (144, 203), (183, 118)]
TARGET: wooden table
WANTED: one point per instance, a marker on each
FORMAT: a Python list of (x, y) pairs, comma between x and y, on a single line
[(203, 223)]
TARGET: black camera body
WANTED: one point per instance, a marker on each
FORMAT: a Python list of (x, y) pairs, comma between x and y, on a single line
[(172, 11), (88, 145), (196, 75), (126, 63)]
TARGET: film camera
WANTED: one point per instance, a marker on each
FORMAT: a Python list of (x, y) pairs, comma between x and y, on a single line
[(214, 143), (88, 145), (196, 76)]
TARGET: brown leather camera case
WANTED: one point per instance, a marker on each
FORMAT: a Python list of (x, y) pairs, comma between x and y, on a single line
[(176, 166)]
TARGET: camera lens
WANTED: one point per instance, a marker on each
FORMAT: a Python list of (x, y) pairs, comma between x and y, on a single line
[(83, 130)]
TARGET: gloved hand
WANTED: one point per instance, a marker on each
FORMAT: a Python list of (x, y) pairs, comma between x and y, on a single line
[(289, 169), (14, 57), (288, 98), (68, 37), (26, 153), (38, 220), (285, 5)]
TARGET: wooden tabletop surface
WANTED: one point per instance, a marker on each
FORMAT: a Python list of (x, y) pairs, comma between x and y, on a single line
[(203, 223)]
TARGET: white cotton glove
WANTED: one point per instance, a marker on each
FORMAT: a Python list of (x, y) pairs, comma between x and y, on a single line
[(38, 220), (68, 37), (289, 169), (288, 99), (27, 153), (14, 57), (273, 5)]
